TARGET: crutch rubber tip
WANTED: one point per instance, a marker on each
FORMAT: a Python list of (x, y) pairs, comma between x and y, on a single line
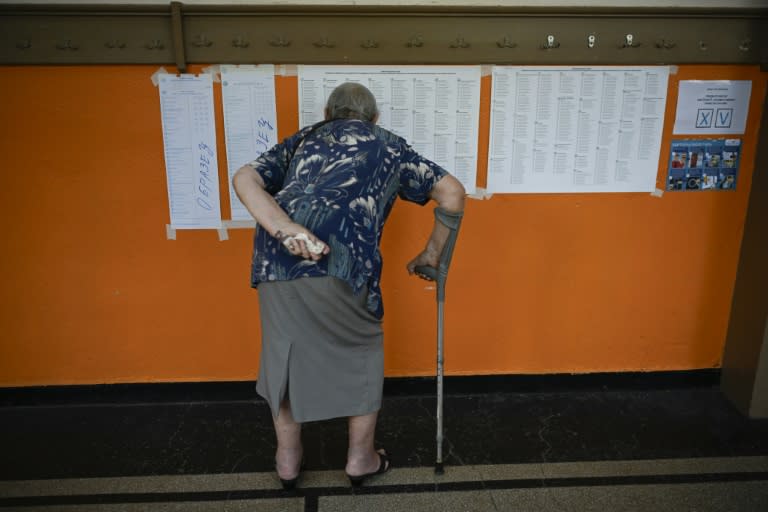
[(439, 470)]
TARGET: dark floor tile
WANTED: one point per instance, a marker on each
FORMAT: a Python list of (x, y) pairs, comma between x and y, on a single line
[(494, 428)]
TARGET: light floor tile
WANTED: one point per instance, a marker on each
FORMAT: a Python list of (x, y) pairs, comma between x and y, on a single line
[(709, 497), (425, 502), (268, 505)]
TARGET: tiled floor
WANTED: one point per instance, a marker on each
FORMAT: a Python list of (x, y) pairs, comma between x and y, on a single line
[(682, 448)]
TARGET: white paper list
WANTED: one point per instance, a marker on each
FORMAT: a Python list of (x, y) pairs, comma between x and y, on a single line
[(250, 120), (563, 129), (434, 108), (189, 137)]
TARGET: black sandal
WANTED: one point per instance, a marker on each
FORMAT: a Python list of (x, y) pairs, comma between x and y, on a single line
[(289, 485), (384, 465)]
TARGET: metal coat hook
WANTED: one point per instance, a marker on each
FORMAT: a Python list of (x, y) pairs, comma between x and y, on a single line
[(629, 42), (369, 43), (703, 46), (240, 42), (460, 42), (115, 44), (202, 42), (154, 44), (550, 44), (663, 44), (324, 42), (506, 42), (746, 45), (279, 41), (415, 42), (591, 40), (67, 45)]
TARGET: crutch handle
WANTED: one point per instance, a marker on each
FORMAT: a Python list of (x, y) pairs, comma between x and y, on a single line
[(451, 220), (427, 271)]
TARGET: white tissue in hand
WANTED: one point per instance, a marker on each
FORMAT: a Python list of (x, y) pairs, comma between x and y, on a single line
[(313, 247)]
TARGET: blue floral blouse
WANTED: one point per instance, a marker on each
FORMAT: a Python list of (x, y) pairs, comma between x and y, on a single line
[(340, 180)]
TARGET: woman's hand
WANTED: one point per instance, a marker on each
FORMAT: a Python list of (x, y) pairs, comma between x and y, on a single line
[(427, 257), (299, 241)]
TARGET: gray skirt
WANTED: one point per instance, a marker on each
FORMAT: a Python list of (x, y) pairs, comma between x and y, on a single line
[(320, 348)]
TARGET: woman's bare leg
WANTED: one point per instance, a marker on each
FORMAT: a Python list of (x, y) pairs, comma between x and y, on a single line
[(361, 456), (289, 449)]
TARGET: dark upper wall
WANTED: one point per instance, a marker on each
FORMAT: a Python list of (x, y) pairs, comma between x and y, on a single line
[(312, 34)]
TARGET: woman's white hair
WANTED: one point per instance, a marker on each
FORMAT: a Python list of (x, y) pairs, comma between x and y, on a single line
[(351, 101)]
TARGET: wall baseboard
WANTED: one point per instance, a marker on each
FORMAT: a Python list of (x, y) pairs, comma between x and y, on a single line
[(400, 386)]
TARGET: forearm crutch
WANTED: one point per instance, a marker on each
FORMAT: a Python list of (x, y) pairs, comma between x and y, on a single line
[(452, 221)]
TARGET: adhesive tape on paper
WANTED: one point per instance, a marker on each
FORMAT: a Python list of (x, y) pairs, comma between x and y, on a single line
[(156, 76), (214, 71), (480, 193)]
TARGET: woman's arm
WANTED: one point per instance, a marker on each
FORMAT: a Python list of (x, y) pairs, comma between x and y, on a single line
[(249, 187), (449, 195)]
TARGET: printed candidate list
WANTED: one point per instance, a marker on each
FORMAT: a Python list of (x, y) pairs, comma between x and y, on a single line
[(564, 129), (250, 120), (434, 108), (189, 137)]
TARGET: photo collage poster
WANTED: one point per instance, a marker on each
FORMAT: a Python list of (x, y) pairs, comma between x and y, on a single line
[(703, 164)]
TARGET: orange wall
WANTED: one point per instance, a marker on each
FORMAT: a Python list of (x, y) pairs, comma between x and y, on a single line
[(94, 293)]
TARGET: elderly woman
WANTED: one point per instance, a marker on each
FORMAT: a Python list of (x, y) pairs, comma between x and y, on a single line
[(321, 198)]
